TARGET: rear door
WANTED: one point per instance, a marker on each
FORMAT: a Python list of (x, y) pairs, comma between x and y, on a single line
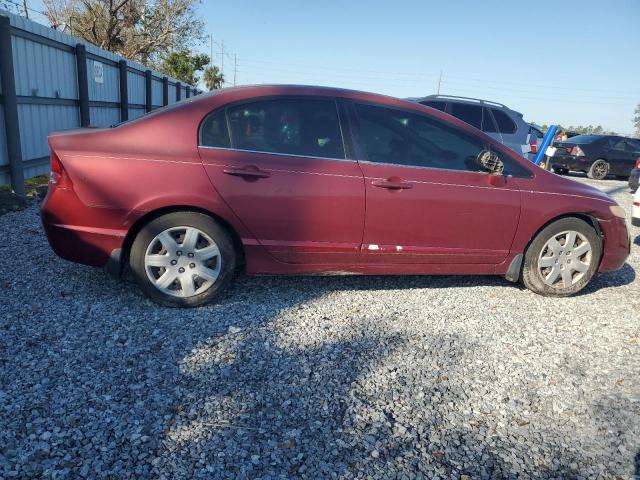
[(280, 164), (619, 156), (427, 202)]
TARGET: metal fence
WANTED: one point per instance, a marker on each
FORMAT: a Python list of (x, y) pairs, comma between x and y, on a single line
[(50, 81)]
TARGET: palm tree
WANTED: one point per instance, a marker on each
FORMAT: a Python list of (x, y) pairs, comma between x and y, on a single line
[(213, 78)]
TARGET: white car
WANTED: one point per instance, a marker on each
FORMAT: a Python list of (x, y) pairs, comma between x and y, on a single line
[(635, 210)]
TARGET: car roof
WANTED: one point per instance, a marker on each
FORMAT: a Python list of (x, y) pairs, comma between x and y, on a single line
[(467, 100)]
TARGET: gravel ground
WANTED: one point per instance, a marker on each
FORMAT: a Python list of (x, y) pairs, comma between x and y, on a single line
[(316, 377)]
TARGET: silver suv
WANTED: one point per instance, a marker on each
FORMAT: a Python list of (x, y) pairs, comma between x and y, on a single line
[(495, 119)]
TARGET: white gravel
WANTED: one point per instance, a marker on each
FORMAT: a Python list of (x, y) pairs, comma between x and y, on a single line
[(317, 377)]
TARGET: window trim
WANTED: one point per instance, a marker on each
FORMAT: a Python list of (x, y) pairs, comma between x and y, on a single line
[(361, 150), (266, 98)]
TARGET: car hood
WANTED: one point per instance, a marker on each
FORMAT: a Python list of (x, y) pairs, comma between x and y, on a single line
[(565, 186)]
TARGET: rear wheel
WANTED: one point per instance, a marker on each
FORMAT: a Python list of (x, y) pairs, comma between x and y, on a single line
[(598, 170), (562, 259), (182, 259)]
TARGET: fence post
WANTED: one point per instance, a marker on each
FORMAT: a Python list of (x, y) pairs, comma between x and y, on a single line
[(83, 85), (165, 91), (11, 119), (124, 91), (188, 91), (148, 106), (178, 91)]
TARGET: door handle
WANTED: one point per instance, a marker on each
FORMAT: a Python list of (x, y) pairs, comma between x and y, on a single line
[(393, 183), (250, 171)]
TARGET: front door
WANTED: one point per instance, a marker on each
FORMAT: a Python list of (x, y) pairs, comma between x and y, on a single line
[(427, 200), (282, 170)]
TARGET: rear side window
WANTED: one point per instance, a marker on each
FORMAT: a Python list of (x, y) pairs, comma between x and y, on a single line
[(487, 122), (505, 124), (306, 127), (213, 132), (472, 114), (435, 104)]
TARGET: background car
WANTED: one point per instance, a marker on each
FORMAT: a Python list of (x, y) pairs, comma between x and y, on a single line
[(278, 179), (535, 139), (635, 211), (495, 119), (634, 177), (595, 155)]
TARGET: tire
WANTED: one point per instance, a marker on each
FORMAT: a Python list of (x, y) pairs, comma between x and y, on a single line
[(598, 170), (182, 246), (544, 263), (560, 171)]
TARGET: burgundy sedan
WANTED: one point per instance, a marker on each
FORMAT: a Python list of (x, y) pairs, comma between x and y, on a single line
[(310, 180)]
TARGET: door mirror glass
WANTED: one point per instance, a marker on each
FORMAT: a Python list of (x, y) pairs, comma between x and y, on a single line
[(490, 162)]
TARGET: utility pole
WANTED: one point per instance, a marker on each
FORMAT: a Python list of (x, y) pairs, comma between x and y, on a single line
[(439, 82), (235, 68), (211, 49), (222, 60), (25, 8)]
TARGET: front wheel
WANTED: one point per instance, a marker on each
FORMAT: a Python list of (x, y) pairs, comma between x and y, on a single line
[(598, 170), (182, 259), (562, 259)]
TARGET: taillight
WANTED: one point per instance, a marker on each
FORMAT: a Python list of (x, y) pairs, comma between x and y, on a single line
[(576, 152), (56, 169), (638, 163), (533, 146), (58, 176)]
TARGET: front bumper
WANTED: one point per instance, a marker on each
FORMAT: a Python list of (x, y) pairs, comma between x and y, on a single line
[(617, 244), (634, 179)]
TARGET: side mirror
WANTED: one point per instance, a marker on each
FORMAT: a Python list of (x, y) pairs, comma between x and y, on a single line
[(490, 162)]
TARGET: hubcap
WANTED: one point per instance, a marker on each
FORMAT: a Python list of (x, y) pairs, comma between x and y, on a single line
[(182, 261), (601, 169), (565, 259)]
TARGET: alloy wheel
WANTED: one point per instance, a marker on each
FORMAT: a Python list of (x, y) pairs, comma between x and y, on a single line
[(565, 259), (182, 261)]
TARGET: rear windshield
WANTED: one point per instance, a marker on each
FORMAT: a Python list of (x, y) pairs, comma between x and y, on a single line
[(584, 139)]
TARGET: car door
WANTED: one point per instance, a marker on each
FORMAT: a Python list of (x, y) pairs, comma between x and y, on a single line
[(617, 156), (280, 164), (427, 202)]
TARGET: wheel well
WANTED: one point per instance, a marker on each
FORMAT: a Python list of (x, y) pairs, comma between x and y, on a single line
[(590, 219), (146, 218)]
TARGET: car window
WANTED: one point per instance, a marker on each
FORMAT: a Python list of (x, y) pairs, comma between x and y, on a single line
[(472, 114), (407, 138), (214, 132), (435, 104), (617, 144), (535, 132), (488, 124), (632, 146), (307, 127), (505, 124)]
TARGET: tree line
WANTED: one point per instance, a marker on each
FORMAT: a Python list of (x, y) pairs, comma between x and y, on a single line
[(161, 34)]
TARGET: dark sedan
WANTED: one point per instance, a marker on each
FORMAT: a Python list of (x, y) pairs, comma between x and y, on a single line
[(596, 155)]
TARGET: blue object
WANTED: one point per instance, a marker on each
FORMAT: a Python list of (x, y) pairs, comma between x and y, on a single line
[(546, 141)]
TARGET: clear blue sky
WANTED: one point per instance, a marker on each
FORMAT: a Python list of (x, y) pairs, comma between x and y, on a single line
[(570, 62)]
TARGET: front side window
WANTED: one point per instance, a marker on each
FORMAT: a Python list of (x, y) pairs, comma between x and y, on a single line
[(406, 138), (307, 127), (472, 114)]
